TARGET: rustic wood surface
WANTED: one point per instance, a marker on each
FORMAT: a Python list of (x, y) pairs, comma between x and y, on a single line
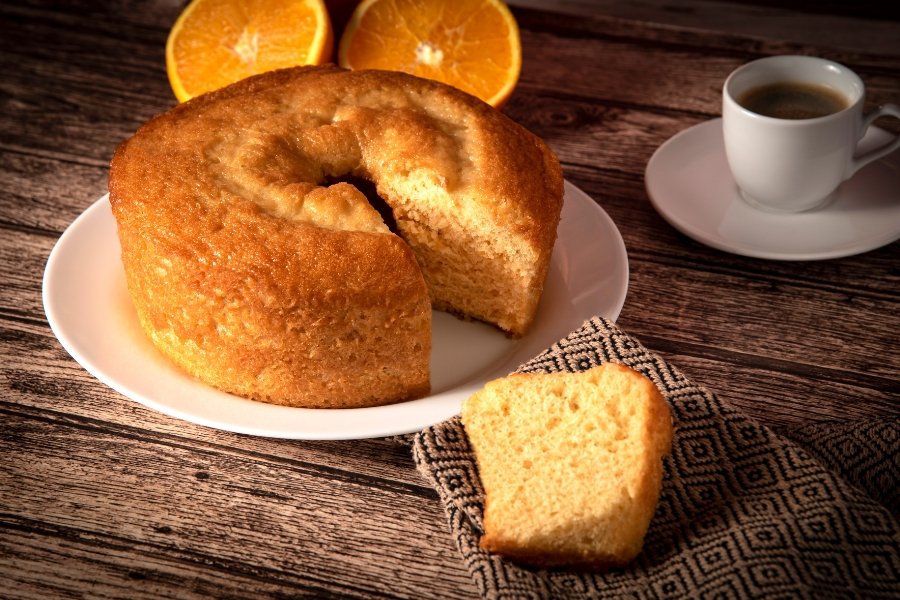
[(101, 497)]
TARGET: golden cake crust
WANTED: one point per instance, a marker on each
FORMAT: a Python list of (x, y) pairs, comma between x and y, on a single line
[(252, 272)]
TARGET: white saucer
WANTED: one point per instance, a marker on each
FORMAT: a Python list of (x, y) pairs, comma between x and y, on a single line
[(690, 185), (88, 308)]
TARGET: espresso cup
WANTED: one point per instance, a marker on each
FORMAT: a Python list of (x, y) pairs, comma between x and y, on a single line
[(791, 127)]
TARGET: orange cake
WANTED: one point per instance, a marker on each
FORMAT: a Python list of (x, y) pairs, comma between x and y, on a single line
[(256, 267), (571, 464)]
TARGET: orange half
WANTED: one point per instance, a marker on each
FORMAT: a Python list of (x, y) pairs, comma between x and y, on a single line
[(470, 44), (218, 42)]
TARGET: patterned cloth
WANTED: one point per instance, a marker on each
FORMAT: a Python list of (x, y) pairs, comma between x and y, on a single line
[(744, 512)]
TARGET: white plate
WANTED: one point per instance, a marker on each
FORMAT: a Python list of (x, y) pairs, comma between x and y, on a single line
[(89, 310), (690, 185)]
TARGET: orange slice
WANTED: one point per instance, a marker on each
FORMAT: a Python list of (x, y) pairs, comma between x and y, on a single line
[(470, 44), (217, 42)]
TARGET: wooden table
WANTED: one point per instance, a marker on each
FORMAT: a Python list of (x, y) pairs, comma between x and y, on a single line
[(101, 497)]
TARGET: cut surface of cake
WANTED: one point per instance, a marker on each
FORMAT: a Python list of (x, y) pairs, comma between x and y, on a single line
[(571, 464)]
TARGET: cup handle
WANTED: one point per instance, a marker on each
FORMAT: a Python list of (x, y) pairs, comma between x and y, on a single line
[(857, 162)]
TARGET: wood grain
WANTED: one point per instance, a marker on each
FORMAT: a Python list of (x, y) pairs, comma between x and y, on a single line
[(238, 503), (101, 497)]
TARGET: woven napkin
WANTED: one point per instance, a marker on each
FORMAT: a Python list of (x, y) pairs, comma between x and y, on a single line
[(744, 511)]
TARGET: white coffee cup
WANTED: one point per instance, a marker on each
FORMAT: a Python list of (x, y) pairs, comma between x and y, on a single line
[(796, 164)]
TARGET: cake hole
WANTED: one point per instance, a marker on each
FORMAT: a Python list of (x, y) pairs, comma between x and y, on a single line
[(368, 189)]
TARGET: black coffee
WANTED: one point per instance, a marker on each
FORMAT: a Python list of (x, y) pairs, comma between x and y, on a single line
[(791, 100)]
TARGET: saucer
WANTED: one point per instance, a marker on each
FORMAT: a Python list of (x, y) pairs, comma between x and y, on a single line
[(690, 185)]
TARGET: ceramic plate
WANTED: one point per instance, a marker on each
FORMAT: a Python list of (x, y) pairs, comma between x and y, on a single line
[(90, 312), (690, 185)]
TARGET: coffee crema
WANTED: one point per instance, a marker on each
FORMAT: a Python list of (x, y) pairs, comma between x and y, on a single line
[(793, 100)]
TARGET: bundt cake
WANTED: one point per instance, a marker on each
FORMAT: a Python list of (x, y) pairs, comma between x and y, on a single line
[(255, 264)]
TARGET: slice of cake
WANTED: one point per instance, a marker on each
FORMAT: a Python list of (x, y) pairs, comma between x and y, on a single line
[(571, 464)]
